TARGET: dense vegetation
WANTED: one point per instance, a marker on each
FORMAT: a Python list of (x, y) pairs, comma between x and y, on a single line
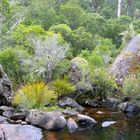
[(39, 38)]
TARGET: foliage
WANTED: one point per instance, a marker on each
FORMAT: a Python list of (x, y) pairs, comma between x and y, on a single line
[(71, 14), (39, 38), (47, 55), (10, 59), (61, 69), (82, 40), (64, 29), (131, 87), (94, 23), (103, 53), (42, 13), (35, 95), (114, 27), (103, 86), (62, 87)]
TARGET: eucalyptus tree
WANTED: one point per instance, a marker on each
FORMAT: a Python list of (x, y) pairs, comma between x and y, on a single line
[(9, 19)]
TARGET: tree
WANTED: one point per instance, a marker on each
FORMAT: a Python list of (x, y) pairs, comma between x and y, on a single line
[(9, 20), (42, 12), (47, 55), (71, 14), (119, 8), (82, 40)]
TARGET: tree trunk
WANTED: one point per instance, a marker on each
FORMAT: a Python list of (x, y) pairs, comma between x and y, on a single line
[(1, 18), (119, 8)]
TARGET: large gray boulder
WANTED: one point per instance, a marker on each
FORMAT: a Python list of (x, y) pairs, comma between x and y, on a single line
[(6, 92), (46, 120), (128, 62), (19, 132)]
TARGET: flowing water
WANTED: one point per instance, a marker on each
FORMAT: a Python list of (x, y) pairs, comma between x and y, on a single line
[(126, 128)]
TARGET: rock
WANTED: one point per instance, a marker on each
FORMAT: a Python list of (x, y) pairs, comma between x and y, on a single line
[(19, 132), (108, 123), (3, 120), (7, 108), (100, 112), (127, 107), (127, 62), (23, 123), (86, 120), (18, 122), (70, 112), (71, 103), (111, 103), (72, 125), (19, 116), (50, 120), (7, 114), (79, 70), (6, 92), (7, 111)]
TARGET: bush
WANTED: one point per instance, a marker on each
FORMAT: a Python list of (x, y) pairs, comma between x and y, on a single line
[(103, 86), (35, 95), (62, 87), (11, 59), (131, 87)]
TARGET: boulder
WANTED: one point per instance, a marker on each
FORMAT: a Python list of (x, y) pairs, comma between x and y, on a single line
[(111, 103), (79, 70), (70, 103), (46, 120), (72, 125), (7, 111), (86, 120), (19, 116), (70, 112), (3, 120), (19, 132), (108, 123), (127, 62), (127, 107), (6, 92)]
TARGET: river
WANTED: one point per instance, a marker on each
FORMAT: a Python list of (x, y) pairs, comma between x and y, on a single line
[(126, 128)]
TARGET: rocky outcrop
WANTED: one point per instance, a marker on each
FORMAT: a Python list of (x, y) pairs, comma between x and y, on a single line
[(19, 132), (49, 121), (6, 92), (128, 62), (79, 70)]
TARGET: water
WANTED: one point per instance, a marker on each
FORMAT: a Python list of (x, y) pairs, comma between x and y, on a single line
[(127, 128)]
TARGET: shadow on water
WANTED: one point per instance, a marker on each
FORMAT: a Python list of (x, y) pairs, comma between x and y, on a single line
[(127, 128)]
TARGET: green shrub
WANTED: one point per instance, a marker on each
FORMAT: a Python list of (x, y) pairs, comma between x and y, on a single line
[(131, 87), (35, 95), (103, 86), (62, 87), (10, 59)]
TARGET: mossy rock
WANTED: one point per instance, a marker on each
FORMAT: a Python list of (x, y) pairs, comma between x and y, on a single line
[(79, 70), (128, 62)]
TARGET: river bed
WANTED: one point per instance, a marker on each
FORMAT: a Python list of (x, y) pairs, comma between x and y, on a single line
[(126, 128)]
